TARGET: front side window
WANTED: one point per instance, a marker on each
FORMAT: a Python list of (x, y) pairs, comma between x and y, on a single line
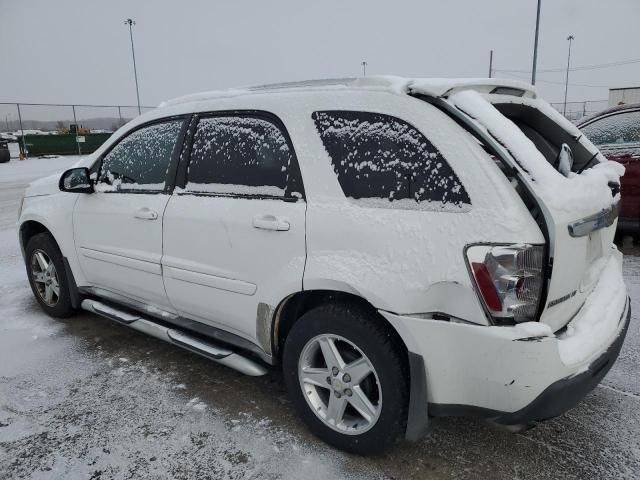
[(620, 128), (241, 155), (382, 161), (140, 160)]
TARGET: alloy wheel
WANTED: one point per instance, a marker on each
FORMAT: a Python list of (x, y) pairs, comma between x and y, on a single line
[(340, 384), (45, 278)]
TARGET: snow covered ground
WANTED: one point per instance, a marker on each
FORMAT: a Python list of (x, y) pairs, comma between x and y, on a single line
[(87, 398)]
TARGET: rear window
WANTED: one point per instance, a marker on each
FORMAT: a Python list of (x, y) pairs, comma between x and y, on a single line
[(382, 161), (619, 128)]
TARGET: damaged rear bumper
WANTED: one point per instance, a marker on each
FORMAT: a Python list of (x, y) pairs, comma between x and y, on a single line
[(558, 397), (566, 393), (517, 374)]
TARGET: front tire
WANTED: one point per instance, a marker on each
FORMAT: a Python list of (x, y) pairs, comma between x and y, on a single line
[(347, 378), (47, 276)]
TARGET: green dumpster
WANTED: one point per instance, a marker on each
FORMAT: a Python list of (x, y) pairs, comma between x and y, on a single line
[(63, 144)]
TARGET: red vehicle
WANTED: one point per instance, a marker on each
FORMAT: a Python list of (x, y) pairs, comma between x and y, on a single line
[(616, 132)]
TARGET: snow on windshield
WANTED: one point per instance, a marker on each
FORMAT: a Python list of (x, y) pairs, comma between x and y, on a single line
[(619, 129), (580, 194)]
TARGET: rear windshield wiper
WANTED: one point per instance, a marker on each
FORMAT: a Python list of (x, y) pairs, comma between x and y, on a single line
[(586, 165)]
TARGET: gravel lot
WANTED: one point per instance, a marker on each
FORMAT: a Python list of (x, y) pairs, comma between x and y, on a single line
[(88, 398)]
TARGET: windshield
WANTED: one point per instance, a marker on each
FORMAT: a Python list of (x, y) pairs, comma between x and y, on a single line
[(619, 129)]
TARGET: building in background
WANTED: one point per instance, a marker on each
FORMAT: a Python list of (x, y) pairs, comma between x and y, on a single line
[(619, 96)]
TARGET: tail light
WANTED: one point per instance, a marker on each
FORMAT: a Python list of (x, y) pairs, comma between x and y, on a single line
[(508, 279)]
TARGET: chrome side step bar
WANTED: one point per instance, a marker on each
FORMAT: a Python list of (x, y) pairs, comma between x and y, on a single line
[(212, 351)]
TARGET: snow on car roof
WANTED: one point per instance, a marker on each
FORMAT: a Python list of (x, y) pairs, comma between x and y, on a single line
[(435, 87)]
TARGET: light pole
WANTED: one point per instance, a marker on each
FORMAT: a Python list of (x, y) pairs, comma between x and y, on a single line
[(131, 23), (364, 69), (566, 81), (490, 63), (535, 47)]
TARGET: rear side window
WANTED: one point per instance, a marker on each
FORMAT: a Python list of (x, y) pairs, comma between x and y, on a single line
[(620, 128), (140, 160), (242, 155), (382, 161)]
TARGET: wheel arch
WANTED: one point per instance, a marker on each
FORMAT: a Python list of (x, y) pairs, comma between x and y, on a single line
[(291, 308), (29, 229)]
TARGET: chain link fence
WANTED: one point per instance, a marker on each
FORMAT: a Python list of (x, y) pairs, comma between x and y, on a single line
[(18, 120)]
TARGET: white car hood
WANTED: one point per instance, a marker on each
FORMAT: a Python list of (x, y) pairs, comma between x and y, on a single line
[(43, 186), (49, 185)]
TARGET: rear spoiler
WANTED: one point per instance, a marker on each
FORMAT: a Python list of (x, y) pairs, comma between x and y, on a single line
[(434, 87)]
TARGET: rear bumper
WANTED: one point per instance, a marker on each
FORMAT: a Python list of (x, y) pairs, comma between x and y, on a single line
[(521, 373), (566, 393), (557, 398)]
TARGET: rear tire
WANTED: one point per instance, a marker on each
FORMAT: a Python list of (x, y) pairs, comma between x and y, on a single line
[(47, 276), (356, 400)]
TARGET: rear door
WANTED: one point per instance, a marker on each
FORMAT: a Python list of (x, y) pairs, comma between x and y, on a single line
[(118, 228), (579, 212), (234, 234)]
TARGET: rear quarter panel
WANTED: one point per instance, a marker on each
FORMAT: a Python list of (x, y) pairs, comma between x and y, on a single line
[(403, 261)]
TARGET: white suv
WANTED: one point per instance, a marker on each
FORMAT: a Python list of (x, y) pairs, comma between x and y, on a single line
[(404, 249)]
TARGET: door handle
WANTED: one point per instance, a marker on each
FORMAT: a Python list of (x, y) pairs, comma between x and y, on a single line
[(146, 213), (271, 222)]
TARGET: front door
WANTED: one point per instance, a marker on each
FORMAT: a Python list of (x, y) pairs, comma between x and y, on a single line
[(118, 228), (234, 236)]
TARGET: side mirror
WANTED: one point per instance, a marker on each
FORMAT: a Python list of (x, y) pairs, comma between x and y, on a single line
[(76, 180)]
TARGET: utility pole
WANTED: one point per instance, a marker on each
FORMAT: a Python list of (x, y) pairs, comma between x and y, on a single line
[(535, 47), (566, 81), (364, 69), (490, 63), (24, 143), (131, 23)]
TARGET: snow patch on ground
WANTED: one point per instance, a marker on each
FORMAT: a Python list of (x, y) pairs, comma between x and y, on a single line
[(25, 171), (196, 404)]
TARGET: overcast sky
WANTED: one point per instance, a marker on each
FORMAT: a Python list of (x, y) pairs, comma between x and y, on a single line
[(68, 51)]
